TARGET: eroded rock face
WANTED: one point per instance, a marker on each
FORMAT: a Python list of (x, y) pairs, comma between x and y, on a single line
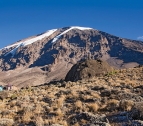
[(72, 47), (88, 69)]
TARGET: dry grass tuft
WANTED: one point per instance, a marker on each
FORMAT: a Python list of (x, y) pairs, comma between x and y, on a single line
[(93, 107), (27, 116), (6, 122), (59, 112), (78, 105), (38, 109), (126, 105), (112, 104), (60, 101), (39, 121), (95, 95)]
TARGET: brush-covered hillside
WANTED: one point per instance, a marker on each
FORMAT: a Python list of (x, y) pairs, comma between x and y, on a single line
[(115, 99)]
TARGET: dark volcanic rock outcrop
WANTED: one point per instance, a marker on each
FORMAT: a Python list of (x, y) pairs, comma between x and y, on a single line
[(87, 69)]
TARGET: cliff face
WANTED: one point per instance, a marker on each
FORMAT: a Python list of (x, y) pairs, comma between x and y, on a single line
[(53, 53)]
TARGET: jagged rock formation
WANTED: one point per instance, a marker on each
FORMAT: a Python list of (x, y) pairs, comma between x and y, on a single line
[(88, 69), (50, 55)]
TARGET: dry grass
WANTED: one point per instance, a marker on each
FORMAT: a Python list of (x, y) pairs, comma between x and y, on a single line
[(65, 123), (74, 94), (77, 124), (78, 105), (60, 101), (112, 105), (27, 116), (38, 109), (93, 107), (2, 105), (59, 113), (126, 105), (86, 97), (53, 120), (95, 95), (39, 121), (52, 104), (6, 122)]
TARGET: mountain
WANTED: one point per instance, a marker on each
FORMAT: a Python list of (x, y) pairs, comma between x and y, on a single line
[(50, 55)]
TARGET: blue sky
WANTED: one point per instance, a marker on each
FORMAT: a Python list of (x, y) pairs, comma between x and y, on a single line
[(20, 19)]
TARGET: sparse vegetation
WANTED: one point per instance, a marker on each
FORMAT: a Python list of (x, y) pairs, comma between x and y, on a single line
[(78, 103)]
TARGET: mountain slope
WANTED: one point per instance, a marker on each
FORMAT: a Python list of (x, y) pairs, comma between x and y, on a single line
[(54, 52)]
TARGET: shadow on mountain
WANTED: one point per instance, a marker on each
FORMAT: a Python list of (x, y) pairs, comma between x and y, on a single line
[(46, 56), (126, 54)]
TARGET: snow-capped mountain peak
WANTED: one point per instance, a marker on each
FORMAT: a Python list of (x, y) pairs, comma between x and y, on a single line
[(73, 27), (27, 42), (46, 34)]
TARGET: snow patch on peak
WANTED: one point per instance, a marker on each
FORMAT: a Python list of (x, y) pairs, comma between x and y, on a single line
[(29, 41), (73, 27), (14, 50), (81, 28), (39, 37)]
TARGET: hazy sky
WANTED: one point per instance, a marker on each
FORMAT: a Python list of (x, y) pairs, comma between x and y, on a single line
[(20, 19)]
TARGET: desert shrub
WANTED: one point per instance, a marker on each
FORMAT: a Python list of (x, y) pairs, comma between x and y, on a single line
[(40, 98), (111, 73), (38, 109), (14, 96), (2, 106), (59, 112), (13, 103), (39, 121), (60, 101), (65, 123), (93, 107), (95, 95), (78, 104), (126, 105), (74, 94), (27, 116), (5, 113), (6, 122), (112, 105)]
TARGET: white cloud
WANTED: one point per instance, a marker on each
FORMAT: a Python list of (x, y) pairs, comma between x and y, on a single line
[(140, 38)]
